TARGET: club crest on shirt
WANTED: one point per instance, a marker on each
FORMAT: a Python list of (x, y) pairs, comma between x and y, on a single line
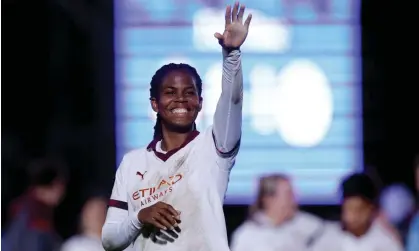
[(156, 193)]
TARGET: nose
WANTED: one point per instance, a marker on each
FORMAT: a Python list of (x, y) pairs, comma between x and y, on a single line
[(180, 98)]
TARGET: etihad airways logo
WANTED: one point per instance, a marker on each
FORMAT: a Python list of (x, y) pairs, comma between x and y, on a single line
[(150, 194)]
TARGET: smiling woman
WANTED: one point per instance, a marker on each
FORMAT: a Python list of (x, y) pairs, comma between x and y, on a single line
[(160, 198), (175, 95)]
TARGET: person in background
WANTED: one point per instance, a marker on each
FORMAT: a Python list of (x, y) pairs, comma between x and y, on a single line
[(397, 206), (359, 229), (91, 222), (32, 226), (275, 222), (412, 241)]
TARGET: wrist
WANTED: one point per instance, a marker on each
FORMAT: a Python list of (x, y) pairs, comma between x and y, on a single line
[(228, 50), (136, 220)]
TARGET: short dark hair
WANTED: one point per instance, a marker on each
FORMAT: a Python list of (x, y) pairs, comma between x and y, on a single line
[(360, 185), (44, 171), (158, 78)]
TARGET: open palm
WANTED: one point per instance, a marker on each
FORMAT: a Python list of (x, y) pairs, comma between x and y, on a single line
[(235, 31)]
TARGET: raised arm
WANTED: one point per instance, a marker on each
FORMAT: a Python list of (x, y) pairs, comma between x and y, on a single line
[(228, 114), (120, 228)]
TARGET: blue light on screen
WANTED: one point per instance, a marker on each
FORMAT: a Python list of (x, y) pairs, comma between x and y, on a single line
[(301, 66)]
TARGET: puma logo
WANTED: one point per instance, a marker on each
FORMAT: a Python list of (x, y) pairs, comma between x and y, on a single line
[(141, 174)]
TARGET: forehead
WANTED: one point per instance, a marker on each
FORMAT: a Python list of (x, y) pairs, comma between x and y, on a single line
[(178, 79), (283, 186), (356, 202)]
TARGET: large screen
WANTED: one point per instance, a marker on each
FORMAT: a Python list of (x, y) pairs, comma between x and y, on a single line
[(302, 86)]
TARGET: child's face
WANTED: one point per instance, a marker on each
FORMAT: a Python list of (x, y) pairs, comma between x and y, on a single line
[(357, 215)]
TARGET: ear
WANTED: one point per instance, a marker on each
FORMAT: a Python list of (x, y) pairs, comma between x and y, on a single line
[(200, 104), (154, 105)]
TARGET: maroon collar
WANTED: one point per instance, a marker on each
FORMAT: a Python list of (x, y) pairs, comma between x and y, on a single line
[(166, 156)]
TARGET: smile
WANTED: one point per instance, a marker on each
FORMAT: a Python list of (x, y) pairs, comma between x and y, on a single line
[(179, 111)]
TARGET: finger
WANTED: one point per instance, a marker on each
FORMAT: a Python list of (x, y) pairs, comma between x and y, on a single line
[(157, 240), (228, 15), (247, 22), (235, 11), (218, 36), (171, 233), (165, 236), (169, 217), (157, 224), (177, 229), (241, 13), (169, 212), (174, 212), (163, 220)]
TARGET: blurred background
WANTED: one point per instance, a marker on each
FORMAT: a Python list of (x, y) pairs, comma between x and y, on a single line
[(75, 81)]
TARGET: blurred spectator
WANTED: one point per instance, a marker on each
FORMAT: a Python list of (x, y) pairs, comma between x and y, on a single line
[(397, 205), (32, 227), (91, 222), (412, 242), (359, 229), (275, 223)]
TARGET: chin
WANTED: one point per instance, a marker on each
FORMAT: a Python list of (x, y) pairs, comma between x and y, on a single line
[(181, 127)]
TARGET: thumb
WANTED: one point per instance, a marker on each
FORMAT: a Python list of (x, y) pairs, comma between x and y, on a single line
[(218, 36)]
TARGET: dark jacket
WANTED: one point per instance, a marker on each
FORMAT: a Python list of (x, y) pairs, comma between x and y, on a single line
[(31, 227)]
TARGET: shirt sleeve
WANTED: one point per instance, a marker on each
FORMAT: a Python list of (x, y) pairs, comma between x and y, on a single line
[(228, 113), (120, 228)]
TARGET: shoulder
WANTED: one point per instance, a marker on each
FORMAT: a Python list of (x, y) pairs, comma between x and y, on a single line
[(79, 242), (386, 239), (333, 228), (132, 157), (245, 230), (135, 154), (308, 218), (71, 243), (206, 134), (309, 221)]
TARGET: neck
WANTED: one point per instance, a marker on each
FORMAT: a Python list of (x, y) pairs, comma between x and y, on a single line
[(275, 217), (41, 195), (360, 231), (172, 140), (93, 233)]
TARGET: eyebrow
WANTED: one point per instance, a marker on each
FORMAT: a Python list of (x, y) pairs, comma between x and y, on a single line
[(173, 87)]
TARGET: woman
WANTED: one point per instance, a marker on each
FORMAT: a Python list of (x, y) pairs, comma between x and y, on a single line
[(275, 223), (169, 195)]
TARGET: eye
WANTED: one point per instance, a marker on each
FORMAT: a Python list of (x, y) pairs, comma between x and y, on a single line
[(190, 92), (169, 92)]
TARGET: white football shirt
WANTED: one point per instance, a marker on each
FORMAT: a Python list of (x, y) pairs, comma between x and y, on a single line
[(297, 234), (193, 179), (376, 239), (82, 243)]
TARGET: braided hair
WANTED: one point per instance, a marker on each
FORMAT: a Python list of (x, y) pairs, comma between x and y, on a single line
[(158, 78)]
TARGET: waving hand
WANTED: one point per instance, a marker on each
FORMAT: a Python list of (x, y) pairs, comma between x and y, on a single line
[(235, 31)]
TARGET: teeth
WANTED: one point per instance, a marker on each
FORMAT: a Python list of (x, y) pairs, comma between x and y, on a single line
[(179, 110)]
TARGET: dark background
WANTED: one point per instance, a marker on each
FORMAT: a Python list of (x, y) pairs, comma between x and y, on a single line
[(58, 85)]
